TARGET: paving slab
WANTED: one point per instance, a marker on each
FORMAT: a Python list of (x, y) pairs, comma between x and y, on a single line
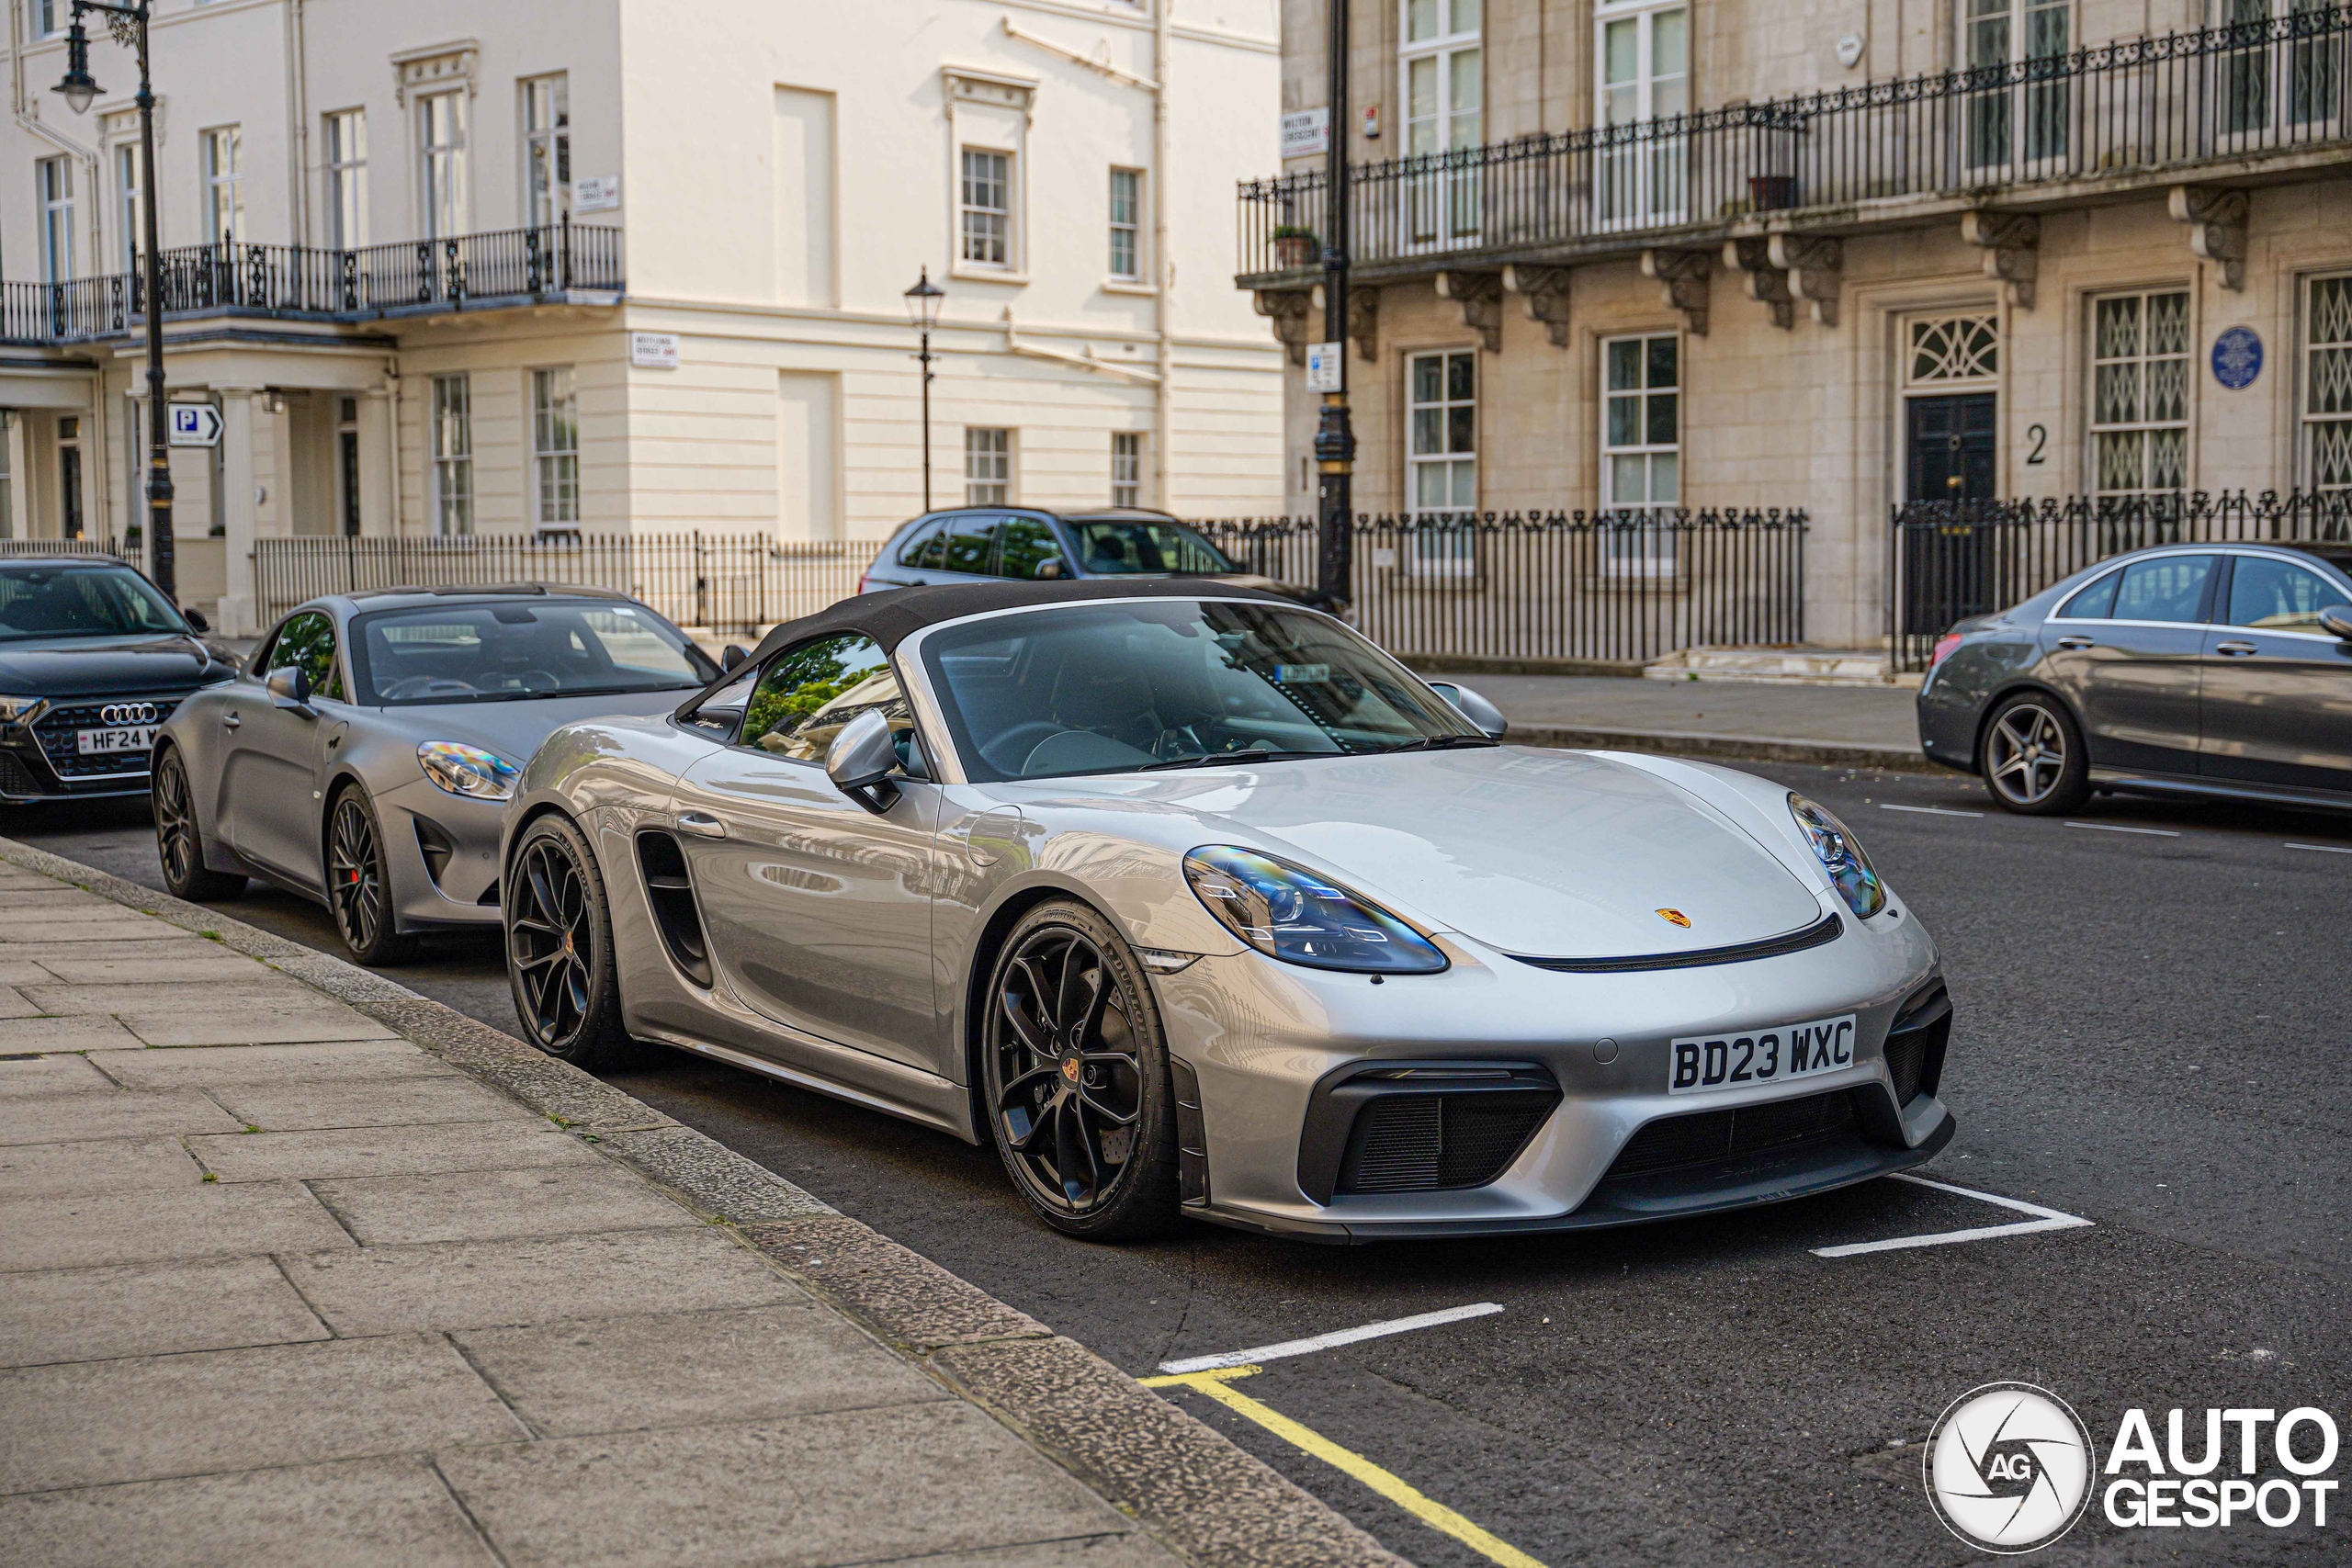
[(690, 1369), (1133, 1551), (215, 1220), (48, 1034), (56, 895), (75, 1116), (382, 1289), (107, 932), (152, 942), (198, 960), (107, 1165), (14, 1003), (18, 971), (389, 1151), (150, 1309), (64, 907), (862, 1486), (290, 1107), (147, 1417), (484, 1205), (253, 1023), (197, 1065), (144, 995), (357, 1512), (33, 1073)]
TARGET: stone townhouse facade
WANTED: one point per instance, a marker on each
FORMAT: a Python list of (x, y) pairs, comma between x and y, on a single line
[(450, 269), (1836, 254)]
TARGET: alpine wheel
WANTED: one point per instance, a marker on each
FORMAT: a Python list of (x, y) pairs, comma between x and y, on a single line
[(560, 959), (358, 888), (180, 842), (2034, 757), (1075, 1071)]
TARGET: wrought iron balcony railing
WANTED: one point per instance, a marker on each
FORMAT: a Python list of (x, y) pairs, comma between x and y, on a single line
[(2243, 91), (307, 282)]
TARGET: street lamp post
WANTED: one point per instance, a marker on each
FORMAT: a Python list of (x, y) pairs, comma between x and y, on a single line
[(129, 25), (1335, 440), (922, 310)]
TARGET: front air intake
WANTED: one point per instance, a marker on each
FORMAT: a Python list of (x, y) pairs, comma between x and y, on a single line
[(1703, 1137), (1436, 1142), (669, 892), (1916, 1044)]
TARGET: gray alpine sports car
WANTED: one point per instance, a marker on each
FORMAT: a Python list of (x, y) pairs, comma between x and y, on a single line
[(1193, 901), (362, 756)]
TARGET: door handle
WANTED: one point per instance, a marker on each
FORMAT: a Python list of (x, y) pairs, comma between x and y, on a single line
[(2235, 650), (701, 824), (229, 720), (2075, 642)]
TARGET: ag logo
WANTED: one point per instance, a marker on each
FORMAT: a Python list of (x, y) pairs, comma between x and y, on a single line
[(2008, 1468)]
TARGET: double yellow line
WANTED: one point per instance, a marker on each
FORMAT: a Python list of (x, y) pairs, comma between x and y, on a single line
[(1218, 1385)]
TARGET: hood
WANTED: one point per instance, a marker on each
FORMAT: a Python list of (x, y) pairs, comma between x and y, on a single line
[(66, 667), (1555, 854), (515, 729)]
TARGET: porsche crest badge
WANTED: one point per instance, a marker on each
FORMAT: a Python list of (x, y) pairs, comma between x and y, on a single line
[(1675, 917)]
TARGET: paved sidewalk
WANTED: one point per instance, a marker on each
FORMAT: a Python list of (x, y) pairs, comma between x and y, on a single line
[(297, 1267), (1865, 726)]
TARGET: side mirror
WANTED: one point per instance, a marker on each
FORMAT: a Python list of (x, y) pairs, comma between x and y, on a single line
[(861, 760), (1050, 569), (291, 688), (197, 623), (734, 655), (1474, 708), (2336, 620)]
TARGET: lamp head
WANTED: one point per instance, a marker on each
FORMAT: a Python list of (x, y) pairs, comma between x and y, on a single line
[(923, 300), (78, 86)]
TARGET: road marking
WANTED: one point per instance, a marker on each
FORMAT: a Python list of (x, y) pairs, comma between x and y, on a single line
[(1217, 1384), (2045, 1220), (1328, 1341), (2325, 849), (1928, 810), (2119, 828)]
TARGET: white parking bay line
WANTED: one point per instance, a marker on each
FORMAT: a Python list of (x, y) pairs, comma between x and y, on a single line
[(1328, 1341), (2325, 849), (1928, 810), (2043, 1220), (2119, 828)]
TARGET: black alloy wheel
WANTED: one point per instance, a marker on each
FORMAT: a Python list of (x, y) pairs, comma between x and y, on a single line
[(358, 889), (559, 957), (2034, 761), (1076, 1074), (180, 842)]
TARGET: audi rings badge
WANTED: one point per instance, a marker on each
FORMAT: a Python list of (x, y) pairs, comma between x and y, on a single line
[(129, 713)]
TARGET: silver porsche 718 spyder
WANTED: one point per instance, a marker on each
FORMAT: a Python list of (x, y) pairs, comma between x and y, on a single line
[(1193, 901), (362, 756)]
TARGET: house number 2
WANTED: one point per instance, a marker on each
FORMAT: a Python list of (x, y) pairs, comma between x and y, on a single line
[(2041, 438)]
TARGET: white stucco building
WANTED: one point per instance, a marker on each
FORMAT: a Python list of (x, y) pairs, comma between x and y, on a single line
[(616, 266)]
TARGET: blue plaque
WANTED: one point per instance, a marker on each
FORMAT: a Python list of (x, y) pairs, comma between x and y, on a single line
[(2237, 358)]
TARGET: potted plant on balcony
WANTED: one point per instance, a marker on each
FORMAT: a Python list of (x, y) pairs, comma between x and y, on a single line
[(1294, 246)]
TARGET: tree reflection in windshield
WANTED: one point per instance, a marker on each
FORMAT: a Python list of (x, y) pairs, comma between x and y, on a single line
[(81, 601)]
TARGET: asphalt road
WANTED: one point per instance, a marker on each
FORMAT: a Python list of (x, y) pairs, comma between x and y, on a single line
[(2151, 1035)]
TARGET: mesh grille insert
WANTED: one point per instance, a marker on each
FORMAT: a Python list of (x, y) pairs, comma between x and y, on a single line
[(1426, 1143), (1704, 1135)]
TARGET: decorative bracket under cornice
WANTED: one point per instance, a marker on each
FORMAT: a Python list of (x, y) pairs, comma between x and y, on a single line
[(1816, 264), (1752, 259), (1480, 295), (1686, 275), (1363, 316), (1288, 309), (2216, 219), (1546, 291), (2012, 245)]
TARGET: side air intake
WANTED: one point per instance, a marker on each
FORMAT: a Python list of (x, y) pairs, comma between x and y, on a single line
[(670, 892)]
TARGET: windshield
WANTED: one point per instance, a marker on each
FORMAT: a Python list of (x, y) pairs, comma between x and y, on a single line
[(1120, 546), (1128, 685), (99, 600), (475, 652)]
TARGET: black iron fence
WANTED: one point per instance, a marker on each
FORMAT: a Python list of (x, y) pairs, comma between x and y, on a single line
[(307, 281), (1951, 559), (18, 549), (2236, 91)]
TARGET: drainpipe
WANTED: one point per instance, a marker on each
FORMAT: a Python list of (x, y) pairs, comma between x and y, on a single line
[(21, 104), (298, 111), (1163, 267)]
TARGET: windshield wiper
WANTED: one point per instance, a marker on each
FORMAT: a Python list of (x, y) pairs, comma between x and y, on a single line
[(1440, 743), (1213, 759)]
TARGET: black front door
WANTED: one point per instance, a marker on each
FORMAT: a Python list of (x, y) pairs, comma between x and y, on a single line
[(1950, 448)]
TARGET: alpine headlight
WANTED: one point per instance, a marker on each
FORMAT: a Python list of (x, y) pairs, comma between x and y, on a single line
[(1288, 912), (468, 770), (1834, 844)]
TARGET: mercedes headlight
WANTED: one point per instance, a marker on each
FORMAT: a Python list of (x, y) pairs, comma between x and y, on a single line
[(1288, 912), (1840, 855), (468, 770)]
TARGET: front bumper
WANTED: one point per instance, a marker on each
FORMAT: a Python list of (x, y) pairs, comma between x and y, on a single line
[(41, 759), (1264, 1038), (441, 850)]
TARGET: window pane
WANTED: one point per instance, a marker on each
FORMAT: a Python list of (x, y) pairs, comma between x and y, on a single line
[(2275, 596), (2095, 603), (1628, 480), (1420, 20), (1664, 428), (970, 543), (809, 693), (1624, 421), (1665, 479), (1670, 51), (1429, 431), (1620, 47), (1428, 379), (1024, 542), (1459, 370), (2119, 327), (1466, 15), (2166, 589), (1459, 433), (1624, 364), (1661, 357)]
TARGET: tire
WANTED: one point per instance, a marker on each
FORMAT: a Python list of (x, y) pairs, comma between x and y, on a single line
[(360, 883), (1074, 1071), (179, 841), (2032, 759), (559, 957)]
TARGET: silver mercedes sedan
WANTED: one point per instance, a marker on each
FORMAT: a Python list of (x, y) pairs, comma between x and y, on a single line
[(364, 754), (1193, 902)]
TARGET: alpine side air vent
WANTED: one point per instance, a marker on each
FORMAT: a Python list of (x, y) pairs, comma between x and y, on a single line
[(672, 894)]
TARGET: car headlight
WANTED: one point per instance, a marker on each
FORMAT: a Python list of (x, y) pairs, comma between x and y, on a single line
[(1840, 855), (15, 709), (1287, 912), (468, 770)]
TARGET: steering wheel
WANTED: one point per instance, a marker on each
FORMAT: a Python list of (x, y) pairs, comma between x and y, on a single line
[(1008, 750), (546, 680), (427, 686)]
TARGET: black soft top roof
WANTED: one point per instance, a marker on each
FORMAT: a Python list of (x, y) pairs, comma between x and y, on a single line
[(895, 615)]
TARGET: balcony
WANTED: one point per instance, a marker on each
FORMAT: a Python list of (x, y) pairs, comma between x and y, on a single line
[(557, 262), (2249, 103)]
